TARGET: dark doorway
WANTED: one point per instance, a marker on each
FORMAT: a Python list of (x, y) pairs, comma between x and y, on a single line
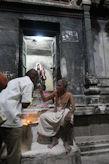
[(39, 50)]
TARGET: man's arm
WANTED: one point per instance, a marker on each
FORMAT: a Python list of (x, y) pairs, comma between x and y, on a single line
[(70, 114), (72, 103), (44, 98), (27, 95)]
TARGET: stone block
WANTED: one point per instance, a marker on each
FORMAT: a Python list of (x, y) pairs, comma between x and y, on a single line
[(41, 154)]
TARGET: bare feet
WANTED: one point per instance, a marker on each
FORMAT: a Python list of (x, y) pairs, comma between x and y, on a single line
[(54, 142), (67, 147)]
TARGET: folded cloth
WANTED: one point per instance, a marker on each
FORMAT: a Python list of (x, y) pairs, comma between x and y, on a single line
[(3, 81), (2, 117), (51, 121)]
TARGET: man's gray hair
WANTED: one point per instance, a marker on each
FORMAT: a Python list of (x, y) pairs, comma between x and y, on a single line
[(31, 72)]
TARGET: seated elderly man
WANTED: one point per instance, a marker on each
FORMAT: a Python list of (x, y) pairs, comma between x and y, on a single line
[(51, 122)]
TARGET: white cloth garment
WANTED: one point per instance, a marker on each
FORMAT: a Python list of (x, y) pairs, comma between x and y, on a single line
[(50, 122), (18, 90)]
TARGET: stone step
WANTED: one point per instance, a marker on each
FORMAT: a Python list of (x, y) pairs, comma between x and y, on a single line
[(94, 147), (95, 152), (89, 140), (41, 154), (90, 145)]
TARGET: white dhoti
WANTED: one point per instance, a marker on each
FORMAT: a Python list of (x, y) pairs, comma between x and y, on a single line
[(50, 122)]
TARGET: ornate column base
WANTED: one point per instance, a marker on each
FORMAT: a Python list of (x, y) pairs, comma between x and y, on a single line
[(92, 91), (91, 87)]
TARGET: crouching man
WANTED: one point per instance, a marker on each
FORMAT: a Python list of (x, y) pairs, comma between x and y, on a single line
[(17, 95)]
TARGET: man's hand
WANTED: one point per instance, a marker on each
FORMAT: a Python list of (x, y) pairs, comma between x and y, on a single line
[(21, 116), (68, 117), (39, 87), (55, 109)]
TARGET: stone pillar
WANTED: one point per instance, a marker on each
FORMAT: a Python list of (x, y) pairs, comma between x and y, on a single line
[(88, 36), (90, 79)]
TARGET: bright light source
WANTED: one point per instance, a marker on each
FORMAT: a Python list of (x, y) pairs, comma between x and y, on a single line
[(39, 38)]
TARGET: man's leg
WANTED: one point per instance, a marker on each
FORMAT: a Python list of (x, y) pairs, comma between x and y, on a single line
[(0, 144), (13, 143), (67, 129), (54, 142)]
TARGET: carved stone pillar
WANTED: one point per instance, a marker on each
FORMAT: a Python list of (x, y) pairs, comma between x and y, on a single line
[(90, 79)]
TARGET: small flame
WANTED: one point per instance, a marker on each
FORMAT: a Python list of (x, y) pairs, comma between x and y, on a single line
[(26, 122), (31, 118)]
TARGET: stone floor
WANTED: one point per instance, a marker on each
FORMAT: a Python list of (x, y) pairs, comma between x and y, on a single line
[(96, 159), (41, 154)]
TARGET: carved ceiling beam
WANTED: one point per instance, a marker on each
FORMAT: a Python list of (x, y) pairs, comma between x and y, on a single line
[(71, 4), (102, 2)]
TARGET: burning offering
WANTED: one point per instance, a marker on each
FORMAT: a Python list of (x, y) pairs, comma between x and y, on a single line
[(32, 114)]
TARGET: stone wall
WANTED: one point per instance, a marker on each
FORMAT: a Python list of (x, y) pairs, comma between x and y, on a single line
[(9, 44), (74, 56), (69, 51)]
